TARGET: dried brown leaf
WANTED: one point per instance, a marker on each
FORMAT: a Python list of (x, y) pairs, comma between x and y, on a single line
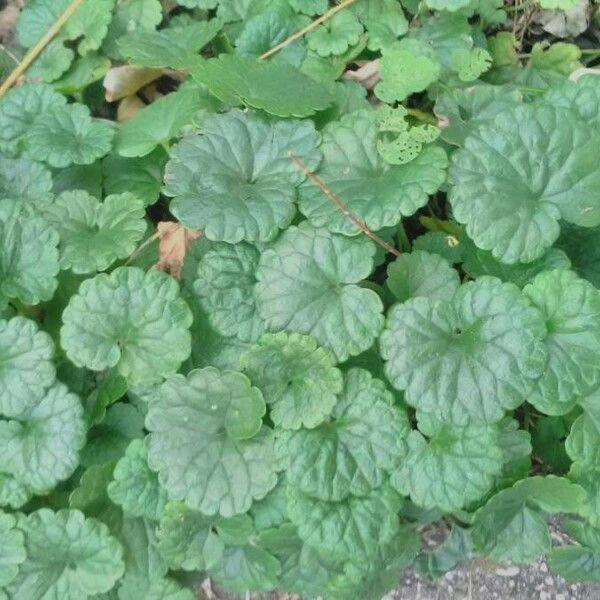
[(124, 81), (174, 242)]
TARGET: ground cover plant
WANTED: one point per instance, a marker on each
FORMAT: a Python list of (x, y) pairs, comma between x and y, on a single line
[(283, 284)]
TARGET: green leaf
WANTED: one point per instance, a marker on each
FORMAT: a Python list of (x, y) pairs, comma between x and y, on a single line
[(67, 135), (350, 530), (90, 24), (265, 31), (481, 262), (26, 367), (276, 88), (174, 47), (245, 568), (453, 468), (583, 442), (303, 570), (160, 121), (12, 548), (336, 35), (548, 437), (93, 234), (109, 440), (36, 18), (41, 445), (85, 71), (25, 180), (557, 4), (441, 243), (465, 109), (225, 287), (449, 5), (234, 178), (307, 284), (385, 23), (578, 563), (352, 453), (571, 309), (580, 97), (207, 443), (68, 557), (376, 193), (130, 16), (471, 64), (87, 178), (140, 176), (52, 63), (18, 110), (501, 159), (407, 67), (133, 320), (28, 255), (297, 378), (186, 539), (457, 548), (420, 274), (309, 7), (485, 345), (511, 525), (12, 492), (135, 487)]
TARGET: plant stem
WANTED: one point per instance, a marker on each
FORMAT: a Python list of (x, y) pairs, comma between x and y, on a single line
[(339, 204), (421, 115), (313, 25), (34, 52)]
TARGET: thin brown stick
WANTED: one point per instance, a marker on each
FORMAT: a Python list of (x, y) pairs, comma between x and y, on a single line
[(313, 25), (39, 47), (142, 247), (339, 204)]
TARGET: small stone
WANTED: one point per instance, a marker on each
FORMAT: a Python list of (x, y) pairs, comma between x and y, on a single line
[(548, 580), (544, 568), (507, 571)]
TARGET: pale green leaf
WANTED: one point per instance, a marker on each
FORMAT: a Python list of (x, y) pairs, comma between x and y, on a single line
[(407, 67), (25, 180), (336, 35)]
